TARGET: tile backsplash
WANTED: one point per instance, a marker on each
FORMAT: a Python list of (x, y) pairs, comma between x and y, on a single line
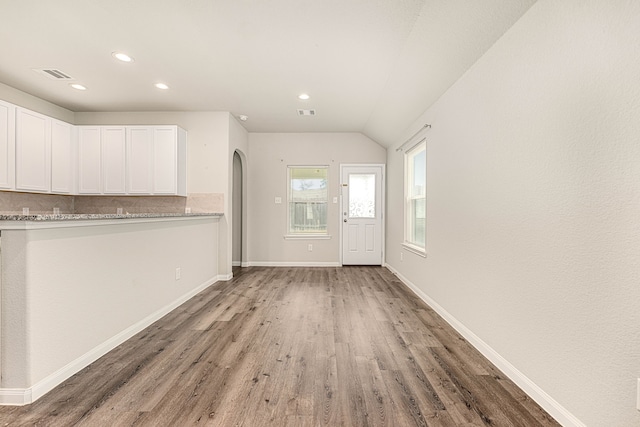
[(12, 203)]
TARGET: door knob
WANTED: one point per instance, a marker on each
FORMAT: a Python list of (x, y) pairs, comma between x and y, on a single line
[(345, 220)]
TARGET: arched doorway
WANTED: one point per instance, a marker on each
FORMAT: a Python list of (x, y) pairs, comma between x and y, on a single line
[(238, 206)]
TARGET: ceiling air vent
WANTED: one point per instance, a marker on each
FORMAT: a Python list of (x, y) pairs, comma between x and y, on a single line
[(53, 74), (306, 112)]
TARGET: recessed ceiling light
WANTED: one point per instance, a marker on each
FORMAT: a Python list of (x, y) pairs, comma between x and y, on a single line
[(78, 86), (122, 57), (303, 96), (161, 86)]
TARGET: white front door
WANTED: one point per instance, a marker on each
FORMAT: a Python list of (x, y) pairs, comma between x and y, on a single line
[(362, 207)]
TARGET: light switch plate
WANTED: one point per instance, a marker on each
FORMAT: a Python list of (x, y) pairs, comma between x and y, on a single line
[(278, 200), (335, 200)]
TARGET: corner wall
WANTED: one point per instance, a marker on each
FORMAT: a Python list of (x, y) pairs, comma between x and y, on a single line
[(533, 195)]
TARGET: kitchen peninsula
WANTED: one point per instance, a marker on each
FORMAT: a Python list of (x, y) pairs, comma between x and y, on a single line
[(76, 286)]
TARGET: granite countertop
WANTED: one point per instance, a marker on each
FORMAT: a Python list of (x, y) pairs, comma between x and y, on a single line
[(72, 217)]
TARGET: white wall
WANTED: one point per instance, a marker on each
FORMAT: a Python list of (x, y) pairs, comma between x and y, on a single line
[(533, 196), (23, 99), (271, 154), (71, 294)]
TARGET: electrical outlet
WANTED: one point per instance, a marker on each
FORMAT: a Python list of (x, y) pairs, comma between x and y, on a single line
[(178, 273), (278, 200), (335, 200), (401, 256), (310, 248)]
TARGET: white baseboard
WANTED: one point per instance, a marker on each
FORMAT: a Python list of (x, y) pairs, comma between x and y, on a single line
[(291, 264), (225, 277), (555, 409), (15, 396), (236, 264), (25, 396)]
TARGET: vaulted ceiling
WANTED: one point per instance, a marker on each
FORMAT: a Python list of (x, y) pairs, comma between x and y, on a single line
[(370, 66)]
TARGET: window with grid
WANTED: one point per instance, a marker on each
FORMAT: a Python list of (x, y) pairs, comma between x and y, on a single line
[(416, 196), (308, 200)]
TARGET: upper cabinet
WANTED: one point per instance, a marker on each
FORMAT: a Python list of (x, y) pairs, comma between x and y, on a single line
[(113, 160), (136, 160), (63, 158), (102, 160), (44, 155), (89, 160), (7, 146), (140, 159), (169, 160), (33, 151), (157, 160)]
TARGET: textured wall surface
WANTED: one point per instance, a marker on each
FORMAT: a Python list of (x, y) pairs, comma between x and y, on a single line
[(533, 200)]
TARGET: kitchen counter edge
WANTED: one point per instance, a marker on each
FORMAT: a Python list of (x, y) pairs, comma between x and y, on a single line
[(76, 220)]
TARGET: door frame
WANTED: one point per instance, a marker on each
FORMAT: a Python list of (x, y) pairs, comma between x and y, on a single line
[(243, 211), (383, 207)]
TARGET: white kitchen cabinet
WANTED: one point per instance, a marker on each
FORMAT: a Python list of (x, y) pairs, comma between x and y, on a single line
[(169, 161), (44, 155), (33, 151), (114, 162), (89, 160), (156, 157), (139, 159), (101, 160), (7, 146), (63, 159)]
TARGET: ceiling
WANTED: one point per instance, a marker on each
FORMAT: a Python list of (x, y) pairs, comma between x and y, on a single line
[(370, 66)]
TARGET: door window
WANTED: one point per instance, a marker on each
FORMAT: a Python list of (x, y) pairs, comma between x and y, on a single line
[(362, 195)]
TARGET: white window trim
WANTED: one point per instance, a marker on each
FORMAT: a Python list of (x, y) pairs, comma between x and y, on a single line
[(307, 236), (414, 249), (297, 236), (408, 245)]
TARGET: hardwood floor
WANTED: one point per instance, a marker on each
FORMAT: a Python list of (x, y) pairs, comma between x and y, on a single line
[(344, 346)]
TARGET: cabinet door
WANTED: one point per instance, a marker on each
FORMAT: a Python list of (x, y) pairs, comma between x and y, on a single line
[(165, 160), (89, 160), (139, 160), (7, 146), (33, 151), (113, 160), (62, 159)]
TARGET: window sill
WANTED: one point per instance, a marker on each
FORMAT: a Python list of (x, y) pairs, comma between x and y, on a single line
[(307, 237), (415, 249)]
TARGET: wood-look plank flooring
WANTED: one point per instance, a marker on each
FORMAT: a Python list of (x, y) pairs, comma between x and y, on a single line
[(346, 346)]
